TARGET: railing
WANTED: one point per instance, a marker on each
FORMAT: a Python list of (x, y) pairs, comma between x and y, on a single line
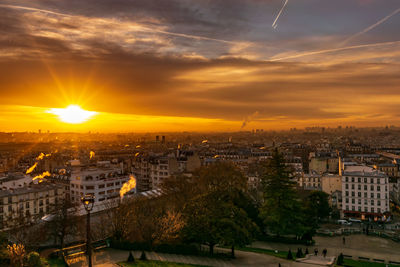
[(75, 253)]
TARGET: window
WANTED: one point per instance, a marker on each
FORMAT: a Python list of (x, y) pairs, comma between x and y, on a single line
[(379, 210), (347, 207), (347, 179), (352, 193), (365, 194), (359, 194), (365, 187), (366, 209), (372, 180), (352, 179), (372, 195), (372, 187), (359, 180), (89, 187), (41, 202), (379, 202), (47, 201), (347, 193), (378, 195), (365, 202), (101, 185), (27, 205), (10, 208), (353, 201), (352, 186), (347, 200), (359, 187), (359, 201), (372, 209), (372, 202), (110, 184), (359, 208), (378, 188), (347, 186), (353, 208)]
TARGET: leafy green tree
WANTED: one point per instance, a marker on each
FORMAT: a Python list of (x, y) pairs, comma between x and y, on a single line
[(317, 208), (281, 210), (214, 216)]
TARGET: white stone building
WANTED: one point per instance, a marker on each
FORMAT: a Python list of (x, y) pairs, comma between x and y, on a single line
[(365, 193)]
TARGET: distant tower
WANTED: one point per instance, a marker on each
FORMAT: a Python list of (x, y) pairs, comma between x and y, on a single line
[(40, 131), (157, 138), (163, 139)]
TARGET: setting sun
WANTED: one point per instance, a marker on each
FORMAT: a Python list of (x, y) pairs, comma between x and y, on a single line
[(72, 114)]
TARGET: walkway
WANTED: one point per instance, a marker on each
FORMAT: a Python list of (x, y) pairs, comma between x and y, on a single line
[(355, 245), (109, 258)]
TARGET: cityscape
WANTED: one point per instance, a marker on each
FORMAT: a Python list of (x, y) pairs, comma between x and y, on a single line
[(199, 133)]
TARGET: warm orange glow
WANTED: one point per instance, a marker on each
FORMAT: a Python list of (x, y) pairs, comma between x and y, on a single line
[(92, 154), (31, 168), (72, 114), (41, 176), (128, 186)]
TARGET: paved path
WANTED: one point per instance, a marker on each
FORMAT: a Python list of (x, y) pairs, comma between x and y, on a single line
[(109, 258), (355, 245)]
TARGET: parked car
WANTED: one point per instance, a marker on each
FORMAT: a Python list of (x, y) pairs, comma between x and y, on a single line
[(343, 222), (354, 220)]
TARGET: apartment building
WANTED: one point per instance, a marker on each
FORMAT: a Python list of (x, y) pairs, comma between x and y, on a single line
[(365, 193), (104, 181), (28, 204)]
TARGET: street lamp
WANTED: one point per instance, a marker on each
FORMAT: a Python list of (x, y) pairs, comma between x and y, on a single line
[(88, 202)]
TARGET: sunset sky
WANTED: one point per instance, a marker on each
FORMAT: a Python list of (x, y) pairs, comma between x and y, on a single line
[(218, 65)]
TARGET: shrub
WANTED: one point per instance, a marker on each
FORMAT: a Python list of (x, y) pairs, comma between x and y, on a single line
[(4, 257), (289, 255), (33, 260), (299, 253), (340, 259), (130, 257), (143, 256)]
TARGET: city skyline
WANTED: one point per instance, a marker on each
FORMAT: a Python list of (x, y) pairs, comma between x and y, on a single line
[(190, 65)]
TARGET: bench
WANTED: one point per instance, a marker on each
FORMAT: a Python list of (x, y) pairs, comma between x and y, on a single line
[(378, 260), (363, 258)]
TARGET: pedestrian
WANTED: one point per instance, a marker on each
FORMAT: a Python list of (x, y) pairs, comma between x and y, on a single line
[(344, 240), (316, 251), (324, 252)]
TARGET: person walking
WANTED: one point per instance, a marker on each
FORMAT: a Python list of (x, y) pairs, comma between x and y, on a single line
[(344, 241), (324, 252), (316, 251)]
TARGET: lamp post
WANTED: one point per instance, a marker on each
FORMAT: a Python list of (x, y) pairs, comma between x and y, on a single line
[(88, 202)]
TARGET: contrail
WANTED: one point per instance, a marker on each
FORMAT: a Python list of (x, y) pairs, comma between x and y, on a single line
[(371, 27), (279, 14), (310, 53), (34, 9), (141, 28)]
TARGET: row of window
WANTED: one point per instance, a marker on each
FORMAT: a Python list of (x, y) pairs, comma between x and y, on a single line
[(365, 209), (378, 203), (372, 195), (92, 187), (366, 180), (372, 187)]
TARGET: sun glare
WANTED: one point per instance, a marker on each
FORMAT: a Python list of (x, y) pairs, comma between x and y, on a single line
[(72, 114)]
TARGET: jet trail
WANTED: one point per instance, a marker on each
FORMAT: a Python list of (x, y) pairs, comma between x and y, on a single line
[(279, 14), (318, 52), (140, 28), (371, 27)]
